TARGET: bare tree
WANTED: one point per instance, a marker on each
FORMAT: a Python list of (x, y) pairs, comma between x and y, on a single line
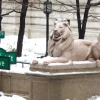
[(82, 27), (78, 18), (22, 27), (0, 13)]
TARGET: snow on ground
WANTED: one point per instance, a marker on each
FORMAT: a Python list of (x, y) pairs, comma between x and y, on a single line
[(14, 97), (31, 47), (96, 97)]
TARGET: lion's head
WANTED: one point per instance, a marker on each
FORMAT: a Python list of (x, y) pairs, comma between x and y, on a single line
[(61, 30), (60, 38)]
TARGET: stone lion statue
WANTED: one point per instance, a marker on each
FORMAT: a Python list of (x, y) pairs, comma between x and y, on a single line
[(63, 48)]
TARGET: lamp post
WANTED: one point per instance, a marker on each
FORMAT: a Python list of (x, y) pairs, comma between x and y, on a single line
[(47, 10)]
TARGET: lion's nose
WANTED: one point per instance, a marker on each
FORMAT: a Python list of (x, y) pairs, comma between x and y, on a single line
[(55, 30)]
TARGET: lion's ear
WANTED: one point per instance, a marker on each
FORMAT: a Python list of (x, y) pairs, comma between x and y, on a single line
[(65, 23)]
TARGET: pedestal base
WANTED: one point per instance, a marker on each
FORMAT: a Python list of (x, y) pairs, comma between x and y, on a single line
[(72, 86), (62, 83)]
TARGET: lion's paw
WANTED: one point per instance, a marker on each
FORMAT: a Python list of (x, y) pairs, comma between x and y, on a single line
[(34, 62), (45, 63)]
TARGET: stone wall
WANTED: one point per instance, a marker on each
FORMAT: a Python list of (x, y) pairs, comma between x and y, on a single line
[(14, 83), (36, 19), (65, 86)]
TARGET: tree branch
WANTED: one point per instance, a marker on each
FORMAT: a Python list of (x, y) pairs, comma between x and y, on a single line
[(85, 18), (78, 18), (95, 4)]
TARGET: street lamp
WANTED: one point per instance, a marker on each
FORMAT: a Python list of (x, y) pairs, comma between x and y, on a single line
[(47, 10), (47, 7)]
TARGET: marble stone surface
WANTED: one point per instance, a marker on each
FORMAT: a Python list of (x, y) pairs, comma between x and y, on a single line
[(63, 86), (65, 67), (14, 83)]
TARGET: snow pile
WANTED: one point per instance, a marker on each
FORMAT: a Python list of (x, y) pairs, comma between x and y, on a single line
[(1, 93), (14, 97), (8, 42), (34, 47), (31, 47), (96, 97)]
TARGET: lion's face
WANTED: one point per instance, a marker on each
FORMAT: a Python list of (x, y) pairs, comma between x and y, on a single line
[(59, 29)]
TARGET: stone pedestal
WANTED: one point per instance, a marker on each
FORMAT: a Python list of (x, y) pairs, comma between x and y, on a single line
[(68, 85), (72, 86), (14, 83)]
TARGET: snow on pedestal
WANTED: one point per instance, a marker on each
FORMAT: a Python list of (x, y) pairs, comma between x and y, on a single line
[(14, 97)]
